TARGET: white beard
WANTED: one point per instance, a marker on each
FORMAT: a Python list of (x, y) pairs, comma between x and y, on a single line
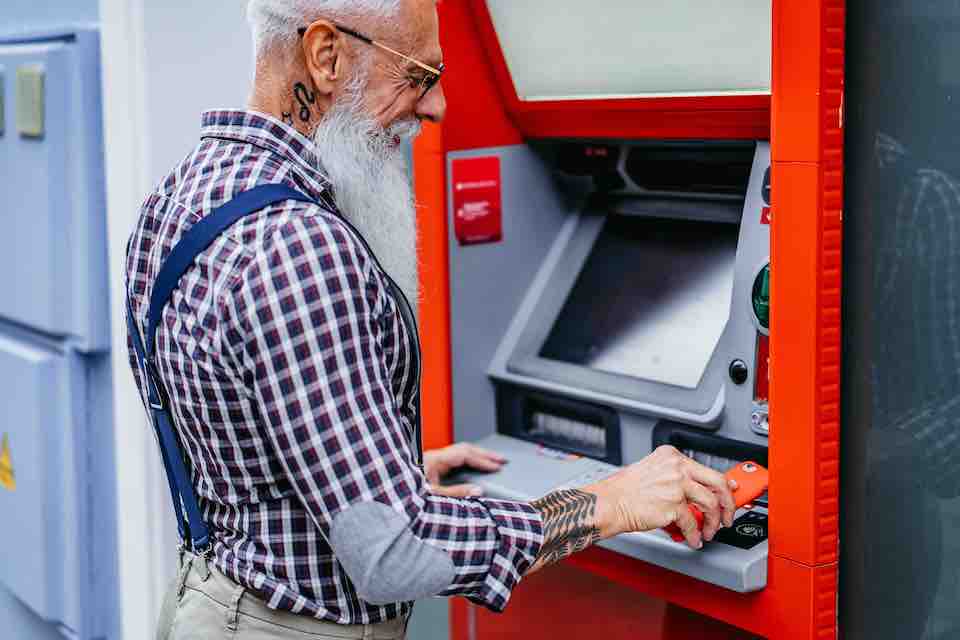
[(371, 184)]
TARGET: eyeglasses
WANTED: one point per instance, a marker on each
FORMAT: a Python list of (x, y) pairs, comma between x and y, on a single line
[(424, 84)]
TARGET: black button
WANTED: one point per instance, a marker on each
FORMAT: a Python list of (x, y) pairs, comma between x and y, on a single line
[(739, 371), (765, 190)]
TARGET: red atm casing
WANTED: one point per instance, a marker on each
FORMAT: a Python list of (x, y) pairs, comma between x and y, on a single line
[(803, 119)]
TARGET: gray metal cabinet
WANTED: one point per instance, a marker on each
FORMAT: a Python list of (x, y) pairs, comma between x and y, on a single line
[(52, 189), (58, 509)]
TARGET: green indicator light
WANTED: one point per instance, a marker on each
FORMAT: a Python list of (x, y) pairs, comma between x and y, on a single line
[(761, 297)]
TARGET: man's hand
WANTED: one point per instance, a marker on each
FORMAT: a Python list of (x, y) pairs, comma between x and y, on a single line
[(654, 493), (440, 462), (650, 494)]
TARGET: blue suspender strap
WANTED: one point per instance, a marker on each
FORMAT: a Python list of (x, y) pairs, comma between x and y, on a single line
[(200, 236), (185, 505), (156, 406)]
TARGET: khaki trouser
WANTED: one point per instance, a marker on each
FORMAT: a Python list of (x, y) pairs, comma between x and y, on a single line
[(204, 604)]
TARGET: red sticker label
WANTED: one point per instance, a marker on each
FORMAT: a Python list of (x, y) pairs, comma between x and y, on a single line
[(765, 214), (477, 216)]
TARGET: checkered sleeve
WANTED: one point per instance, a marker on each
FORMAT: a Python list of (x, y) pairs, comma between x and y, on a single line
[(309, 316)]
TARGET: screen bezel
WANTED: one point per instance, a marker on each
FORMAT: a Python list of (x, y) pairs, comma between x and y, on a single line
[(525, 360)]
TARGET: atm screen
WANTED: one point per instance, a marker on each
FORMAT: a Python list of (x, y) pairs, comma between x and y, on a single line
[(651, 301)]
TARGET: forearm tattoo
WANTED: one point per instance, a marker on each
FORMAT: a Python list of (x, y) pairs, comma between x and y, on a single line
[(569, 525)]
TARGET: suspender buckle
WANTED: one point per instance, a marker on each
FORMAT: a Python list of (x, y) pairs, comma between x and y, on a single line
[(153, 389), (203, 548)]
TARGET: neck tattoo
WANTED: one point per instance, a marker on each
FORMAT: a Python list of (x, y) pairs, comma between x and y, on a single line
[(305, 98)]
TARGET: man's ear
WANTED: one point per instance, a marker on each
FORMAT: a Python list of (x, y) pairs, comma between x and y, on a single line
[(322, 50)]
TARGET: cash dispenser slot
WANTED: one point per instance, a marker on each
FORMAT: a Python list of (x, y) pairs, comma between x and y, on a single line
[(708, 449), (562, 423)]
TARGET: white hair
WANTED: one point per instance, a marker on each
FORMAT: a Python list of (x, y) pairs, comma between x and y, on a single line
[(276, 21), (366, 166)]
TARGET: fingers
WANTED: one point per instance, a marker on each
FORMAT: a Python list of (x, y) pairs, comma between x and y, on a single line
[(709, 505), (707, 476), (439, 462), (688, 527), (481, 459), (718, 484), (458, 491)]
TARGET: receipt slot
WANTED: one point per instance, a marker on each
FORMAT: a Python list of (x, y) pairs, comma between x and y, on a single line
[(646, 266)]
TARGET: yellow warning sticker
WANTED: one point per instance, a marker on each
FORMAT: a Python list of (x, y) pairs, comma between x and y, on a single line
[(8, 479)]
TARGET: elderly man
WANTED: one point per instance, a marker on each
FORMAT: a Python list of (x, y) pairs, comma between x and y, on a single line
[(278, 356)]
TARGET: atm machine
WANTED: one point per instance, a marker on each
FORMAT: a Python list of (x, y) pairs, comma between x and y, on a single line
[(607, 226), (645, 323)]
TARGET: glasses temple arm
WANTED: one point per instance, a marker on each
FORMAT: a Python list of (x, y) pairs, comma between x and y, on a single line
[(359, 36)]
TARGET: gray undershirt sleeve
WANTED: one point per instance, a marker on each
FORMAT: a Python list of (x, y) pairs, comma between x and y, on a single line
[(385, 560)]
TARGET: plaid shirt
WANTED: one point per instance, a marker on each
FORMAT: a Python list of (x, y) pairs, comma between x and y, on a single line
[(293, 383)]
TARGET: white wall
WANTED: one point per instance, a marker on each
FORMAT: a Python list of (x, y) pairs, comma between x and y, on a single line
[(199, 55), (164, 63)]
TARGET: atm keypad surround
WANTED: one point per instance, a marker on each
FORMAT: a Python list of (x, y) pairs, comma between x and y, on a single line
[(595, 473), (532, 474)]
